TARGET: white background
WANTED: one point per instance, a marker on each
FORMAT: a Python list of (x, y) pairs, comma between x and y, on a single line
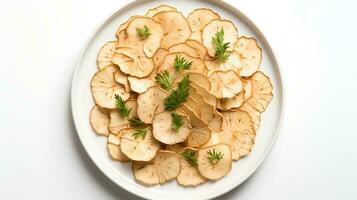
[(315, 156)]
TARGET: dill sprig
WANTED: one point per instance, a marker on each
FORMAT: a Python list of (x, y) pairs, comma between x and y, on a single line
[(164, 79), (179, 95), (135, 122), (190, 156), (122, 108), (182, 64), (143, 32), (177, 121), (140, 132), (214, 156), (220, 47)]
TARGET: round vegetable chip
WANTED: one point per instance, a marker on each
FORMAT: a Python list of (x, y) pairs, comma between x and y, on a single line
[(250, 55), (153, 11), (139, 144), (199, 135), (118, 122), (104, 88), (225, 84), (105, 55), (164, 167), (206, 95), (175, 147), (150, 103), (159, 56), (174, 59), (240, 126), (114, 148), (122, 79), (144, 33), (216, 123), (132, 63), (215, 161), (123, 26), (175, 27), (253, 113), (195, 120), (261, 91), (215, 139), (189, 175), (140, 85), (210, 30), (198, 19), (200, 106), (184, 48), (234, 102), (247, 86), (171, 128), (201, 50), (99, 121), (232, 63)]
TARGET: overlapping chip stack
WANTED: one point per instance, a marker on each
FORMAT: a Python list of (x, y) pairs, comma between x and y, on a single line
[(153, 57)]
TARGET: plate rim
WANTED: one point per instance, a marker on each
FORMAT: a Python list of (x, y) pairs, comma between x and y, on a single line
[(269, 47)]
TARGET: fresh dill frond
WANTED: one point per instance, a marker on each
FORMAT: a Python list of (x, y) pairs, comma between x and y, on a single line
[(179, 95), (220, 47), (182, 64), (190, 156), (135, 122), (164, 79), (124, 111), (143, 32), (177, 121), (214, 156), (140, 132)]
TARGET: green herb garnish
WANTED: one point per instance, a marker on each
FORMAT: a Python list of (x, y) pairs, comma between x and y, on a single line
[(164, 79), (135, 122), (141, 132), (214, 156), (120, 104), (177, 121), (179, 95), (190, 156), (220, 47), (143, 32), (182, 64)]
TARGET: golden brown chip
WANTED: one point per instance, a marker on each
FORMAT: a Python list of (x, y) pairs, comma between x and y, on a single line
[(239, 129), (99, 121), (201, 50), (209, 31), (247, 89), (234, 102), (165, 132), (189, 175), (105, 55), (253, 113), (141, 85), (113, 146), (184, 48), (117, 122), (132, 63), (139, 147), (153, 11), (122, 79), (150, 44), (164, 167), (159, 56), (216, 123), (104, 88), (175, 27), (150, 103), (262, 91), (225, 84), (250, 55), (214, 169), (232, 63), (198, 19)]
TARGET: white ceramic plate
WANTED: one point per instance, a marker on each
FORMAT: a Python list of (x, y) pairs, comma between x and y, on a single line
[(120, 173)]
